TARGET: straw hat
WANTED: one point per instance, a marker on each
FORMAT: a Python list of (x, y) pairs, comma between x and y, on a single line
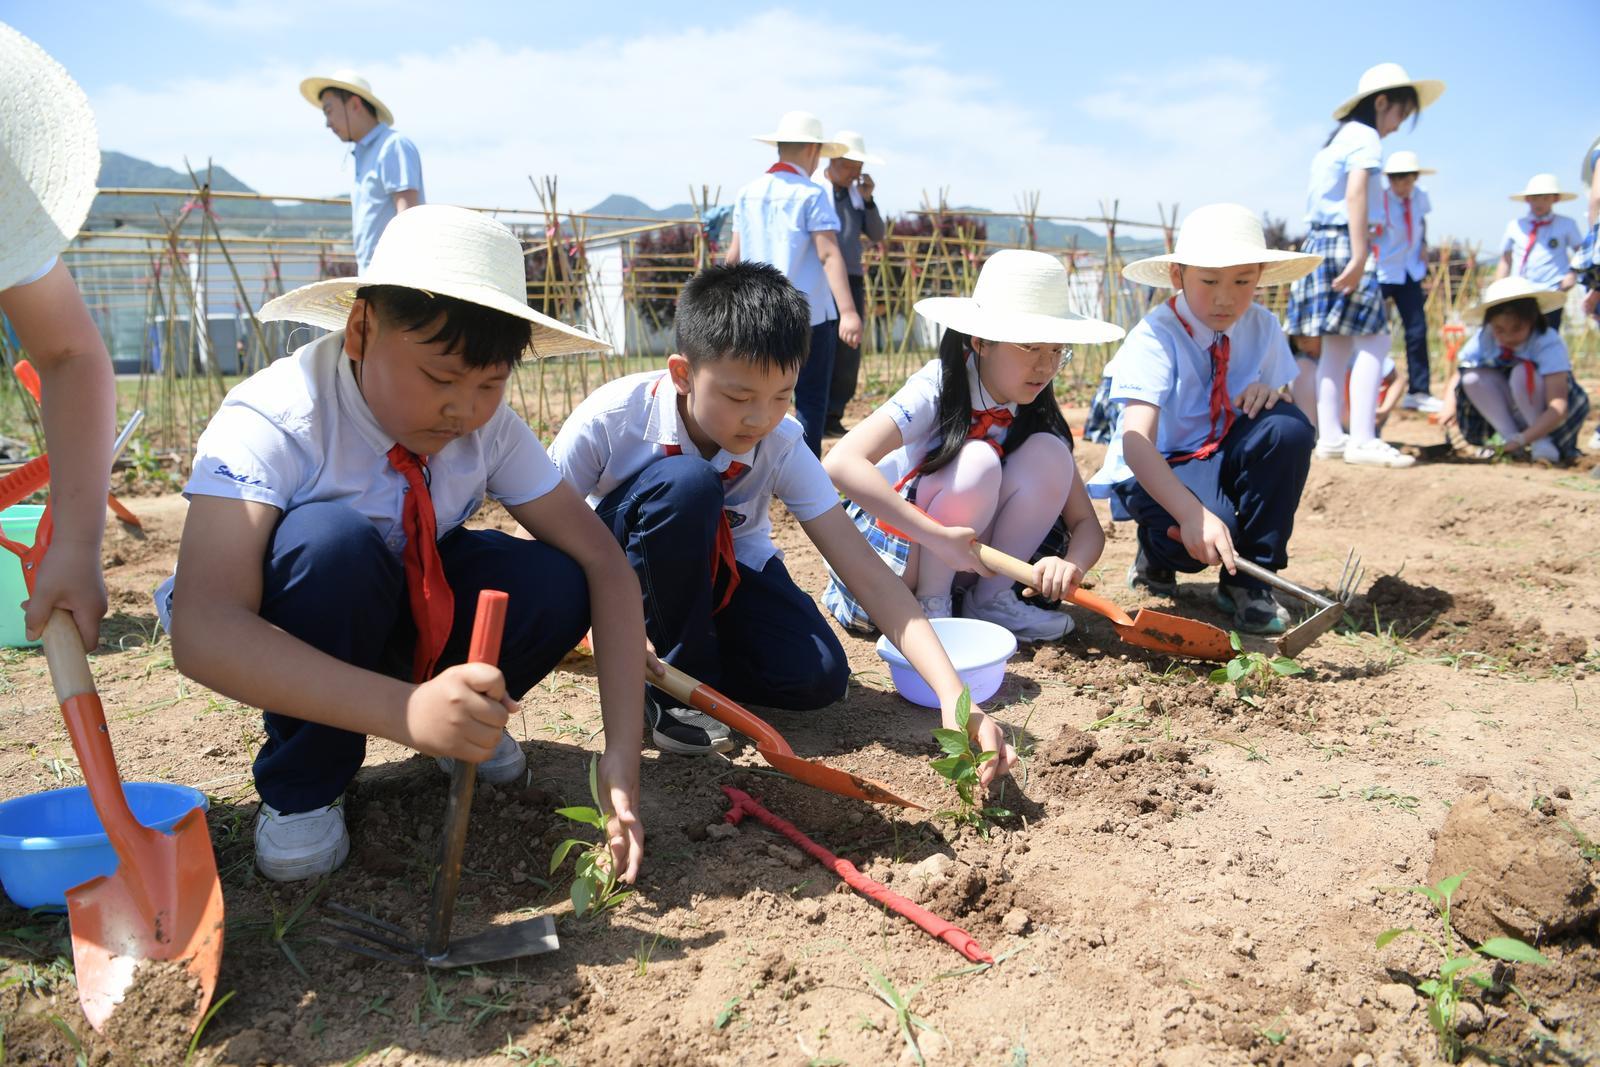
[(1586, 171), (1544, 185), (1405, 163), (802, 127), (1021, 297), (350, 82), (1505, 291), (1222, 235), (1387, 76), (855, 148), (49, 157), (449, 251)]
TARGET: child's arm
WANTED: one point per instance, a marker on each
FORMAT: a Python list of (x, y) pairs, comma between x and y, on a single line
[(1554, 414), (890, 603), (1447, 405), (851, 464), (80, 412), (1057, 576), (1355, 207), (827, 242), (1204, 535), (563, 521), (221, 641)]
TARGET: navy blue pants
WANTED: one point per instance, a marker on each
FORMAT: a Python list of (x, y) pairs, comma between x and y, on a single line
[(770, 645), (815, 381), (330, 580), (847, 359), (1252, 483), (1409, 300)]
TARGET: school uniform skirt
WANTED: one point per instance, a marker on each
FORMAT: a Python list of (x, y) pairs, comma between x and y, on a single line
[(1317, 309), (1476, 429)]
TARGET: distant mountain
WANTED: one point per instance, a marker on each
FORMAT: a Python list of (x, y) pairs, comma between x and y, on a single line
[(121, 171), (621, 204)]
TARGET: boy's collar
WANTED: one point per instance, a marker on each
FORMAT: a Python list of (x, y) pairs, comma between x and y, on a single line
[(353, 406), (665, 427)]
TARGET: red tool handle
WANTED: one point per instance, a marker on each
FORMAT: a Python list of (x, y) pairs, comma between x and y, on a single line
[(30, 380), (488, 626)]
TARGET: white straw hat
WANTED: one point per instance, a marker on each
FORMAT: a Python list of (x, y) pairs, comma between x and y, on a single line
[(801, 127), (1405, 163), (350, 82), (49, 157), (1544, 185), (445, 250), (1222, 235), (1387, 76), (1021, 297), (855, 148), (1505, 291)]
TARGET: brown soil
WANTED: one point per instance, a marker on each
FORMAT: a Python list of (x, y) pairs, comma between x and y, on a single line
[(1189, 878), (153, 1022)]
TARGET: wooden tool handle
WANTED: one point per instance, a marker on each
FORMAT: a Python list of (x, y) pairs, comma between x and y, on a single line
[(1011, 567), (694, 694)]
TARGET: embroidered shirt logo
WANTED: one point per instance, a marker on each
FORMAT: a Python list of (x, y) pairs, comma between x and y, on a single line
[(242, 479), (735, 520)]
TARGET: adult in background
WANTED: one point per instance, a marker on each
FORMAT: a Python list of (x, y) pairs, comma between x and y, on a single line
[(858, 217), (388, 168)]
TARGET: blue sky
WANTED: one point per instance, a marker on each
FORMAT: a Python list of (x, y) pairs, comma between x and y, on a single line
[(1182, 104)]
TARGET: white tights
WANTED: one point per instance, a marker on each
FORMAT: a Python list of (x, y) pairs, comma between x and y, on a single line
[(1366, 379), (1503, 399)]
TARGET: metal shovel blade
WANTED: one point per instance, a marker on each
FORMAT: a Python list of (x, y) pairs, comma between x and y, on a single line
[(1300, 638), (393, 944)]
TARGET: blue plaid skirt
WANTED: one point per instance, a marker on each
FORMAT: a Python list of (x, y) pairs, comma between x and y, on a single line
[(1101, 426), (1476, 429), (1316, 309)]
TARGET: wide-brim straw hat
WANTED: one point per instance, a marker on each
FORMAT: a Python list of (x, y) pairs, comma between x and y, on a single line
[(448, 251), (802, 127), (1386, 76), (1222, 235), (1544, 185), (49, 157), (350, 82), (1404, 162), (1021, 297), (855, 148), (1507, 290)]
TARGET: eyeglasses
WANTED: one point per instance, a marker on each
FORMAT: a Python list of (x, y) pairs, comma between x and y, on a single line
[(1060, 353)]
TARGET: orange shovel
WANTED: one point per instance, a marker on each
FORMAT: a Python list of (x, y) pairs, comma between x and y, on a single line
[(773, 748), (1156, 630)]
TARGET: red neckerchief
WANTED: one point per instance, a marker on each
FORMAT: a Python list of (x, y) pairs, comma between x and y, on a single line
[(1406, 206), (781, 165), (1221, 408), (1508, 358), (433, 605), (724, 564), (1533, 238), (983, 419)]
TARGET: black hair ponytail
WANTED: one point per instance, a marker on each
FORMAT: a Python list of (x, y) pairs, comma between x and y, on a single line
[(1040, 415), (1366, 112)]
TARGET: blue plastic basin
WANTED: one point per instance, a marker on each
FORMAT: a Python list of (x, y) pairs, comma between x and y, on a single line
[(978, 651)]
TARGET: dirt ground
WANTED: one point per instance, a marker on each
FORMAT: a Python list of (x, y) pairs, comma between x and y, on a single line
[(1189, 878)]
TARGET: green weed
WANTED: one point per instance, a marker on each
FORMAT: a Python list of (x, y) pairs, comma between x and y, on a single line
[(959, 766), (1252, 673), (900, 1003), (595, 887)]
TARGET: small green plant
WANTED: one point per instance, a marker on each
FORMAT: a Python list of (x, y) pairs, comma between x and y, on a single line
[(1252, 673), (960, 765), (1457, 967), (595, 887), (900, 1003)]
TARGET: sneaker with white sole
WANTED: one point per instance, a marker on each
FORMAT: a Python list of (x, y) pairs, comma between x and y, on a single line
[(938, 607), (1545, 451), (505, 764), (1376, 453), (1594, 440), (1330, 449), (1426, 403), (1142, 574), (1027, 622), (1254, 611), (292, 848), (684, 731)]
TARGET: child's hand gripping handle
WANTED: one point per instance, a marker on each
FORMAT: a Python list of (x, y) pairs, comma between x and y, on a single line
[(1018, 571)]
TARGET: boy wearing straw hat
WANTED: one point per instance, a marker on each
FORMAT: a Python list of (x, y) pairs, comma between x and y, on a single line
[(1538, 246), (388, 177), (326, 572), (1206, 459), (859, 219), (784, 219), (49, 158), (1401, 239)]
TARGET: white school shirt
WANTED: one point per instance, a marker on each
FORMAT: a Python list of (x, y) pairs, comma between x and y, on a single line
[(1160, 364), (1400, 256), (1356, 146), (627, 424), (1550, 257), (1546, 351), (775, 217), (299, 432)]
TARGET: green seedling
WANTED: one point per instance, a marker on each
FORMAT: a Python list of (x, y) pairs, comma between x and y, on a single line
[(1252, 673), (900, 1003), (1456, 968), (595, 887), (960, 765)]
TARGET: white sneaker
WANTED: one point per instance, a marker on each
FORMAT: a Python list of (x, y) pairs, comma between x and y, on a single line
[(938, 607), (1545, 451), (1376, 453), (1594, 441), (504, 765), (1426, 403), (292, 848), (1026, 621), (1330, 449)]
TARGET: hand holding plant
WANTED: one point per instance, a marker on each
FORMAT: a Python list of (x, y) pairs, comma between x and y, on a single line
[(595, 887), (961, 766)]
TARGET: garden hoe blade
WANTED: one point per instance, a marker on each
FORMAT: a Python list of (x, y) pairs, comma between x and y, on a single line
[(164, 901), (1329, 612), (770, 744), (1155, 630)]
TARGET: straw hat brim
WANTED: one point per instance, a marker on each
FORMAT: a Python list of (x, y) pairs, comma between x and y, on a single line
[(327, 304), (1428, 91), (1419, 170), (49, 157), (830, 149), (1560, 196), (964, 314), (312, 89), (859, 157), (1278, 267), (1548, 300)]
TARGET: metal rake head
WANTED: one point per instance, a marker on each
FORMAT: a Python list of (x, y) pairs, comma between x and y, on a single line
[(1350, 578)]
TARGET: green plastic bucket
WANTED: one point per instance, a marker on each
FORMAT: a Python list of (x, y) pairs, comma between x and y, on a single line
[(19, 523)]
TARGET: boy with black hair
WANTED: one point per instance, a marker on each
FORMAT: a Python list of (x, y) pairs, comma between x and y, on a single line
[(681, 464), (325, 571)]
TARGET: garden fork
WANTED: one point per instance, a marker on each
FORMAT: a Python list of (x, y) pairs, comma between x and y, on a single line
[(1328, 613)]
